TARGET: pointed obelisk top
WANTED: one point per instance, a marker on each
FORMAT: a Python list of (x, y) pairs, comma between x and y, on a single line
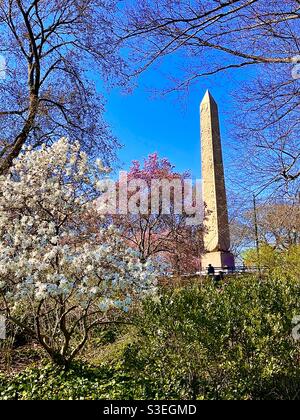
[(208, 99)]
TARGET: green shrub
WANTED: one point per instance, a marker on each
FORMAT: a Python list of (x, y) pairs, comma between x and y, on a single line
[(209, 343), (284, 264)]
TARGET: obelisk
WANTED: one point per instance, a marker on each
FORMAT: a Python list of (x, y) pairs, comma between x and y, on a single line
[(217, 234)]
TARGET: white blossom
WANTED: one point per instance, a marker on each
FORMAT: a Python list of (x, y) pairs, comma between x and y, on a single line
[(46, 256)]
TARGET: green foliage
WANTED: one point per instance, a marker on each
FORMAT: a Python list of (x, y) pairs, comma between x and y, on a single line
[(288, 264), (198, 342), (268, 257), (207, 343), (82, 382), (284, 264)]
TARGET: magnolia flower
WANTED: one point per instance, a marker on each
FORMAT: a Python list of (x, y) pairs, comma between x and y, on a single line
[(95, 290), (41, 291)]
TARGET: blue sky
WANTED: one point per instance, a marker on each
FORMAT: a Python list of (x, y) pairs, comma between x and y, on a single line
[(169, 126)]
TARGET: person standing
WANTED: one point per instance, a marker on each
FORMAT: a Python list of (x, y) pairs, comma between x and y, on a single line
[(211, 270)]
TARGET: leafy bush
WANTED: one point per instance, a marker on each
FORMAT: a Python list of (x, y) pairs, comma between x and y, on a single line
[(278, 263), (209, 343)]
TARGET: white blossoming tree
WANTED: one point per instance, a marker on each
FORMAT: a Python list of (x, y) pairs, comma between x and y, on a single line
[(59, 280)]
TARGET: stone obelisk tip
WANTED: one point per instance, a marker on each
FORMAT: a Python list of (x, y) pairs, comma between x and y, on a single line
[(208, 98)]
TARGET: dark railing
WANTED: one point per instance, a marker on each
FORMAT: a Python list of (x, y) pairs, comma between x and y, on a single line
[(233, 270), (225, 271)]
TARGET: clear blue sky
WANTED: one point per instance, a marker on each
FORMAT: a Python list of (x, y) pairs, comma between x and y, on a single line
[(166, 125)]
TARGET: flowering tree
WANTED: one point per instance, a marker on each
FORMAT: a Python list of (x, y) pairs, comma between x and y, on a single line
[(162, 234), (56, 282)]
